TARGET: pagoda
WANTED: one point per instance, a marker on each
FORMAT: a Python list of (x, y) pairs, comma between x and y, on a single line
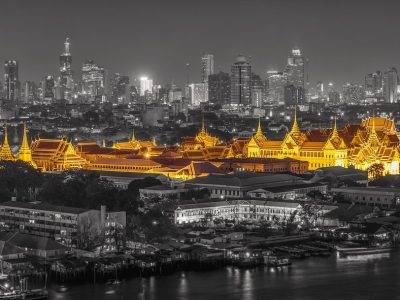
[(24, 153), (5, 150)]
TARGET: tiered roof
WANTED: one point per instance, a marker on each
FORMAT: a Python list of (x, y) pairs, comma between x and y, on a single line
[(5, 150)]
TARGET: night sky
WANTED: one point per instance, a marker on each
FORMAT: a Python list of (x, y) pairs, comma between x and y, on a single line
[(342, 39)]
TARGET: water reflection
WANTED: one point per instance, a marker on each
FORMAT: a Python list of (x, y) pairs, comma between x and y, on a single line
[(247, 285), (183, 285), (313, 278)]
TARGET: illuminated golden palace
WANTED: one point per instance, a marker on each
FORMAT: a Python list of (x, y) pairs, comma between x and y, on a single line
[(374, 141)]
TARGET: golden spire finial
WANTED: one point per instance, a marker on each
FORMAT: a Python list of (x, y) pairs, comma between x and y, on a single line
[(133, 138), (203, 127), (335, 132), (25, 143), (259, 129), (295, 126)]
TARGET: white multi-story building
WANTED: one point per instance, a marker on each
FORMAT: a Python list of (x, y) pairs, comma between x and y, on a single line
[(146, 85), (241, 210)]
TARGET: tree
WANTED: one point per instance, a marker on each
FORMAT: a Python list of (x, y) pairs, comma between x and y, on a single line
[(309, 214), (287, 224), (376, 171), (20, 180)]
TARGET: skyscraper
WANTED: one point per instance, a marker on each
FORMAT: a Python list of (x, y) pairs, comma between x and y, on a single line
[(257, 90), (293, 94), (119, 88), (66, 74), (390, 80), (30, 92), (11, 82), (198, 93), (146, 85), (48, 89), (275, 85), (320, 90), (93, 79), (295, 71), (295, 68), (333, 94), (352, 93), (373, 85), (207, 66), (241, 81), (219, 88)]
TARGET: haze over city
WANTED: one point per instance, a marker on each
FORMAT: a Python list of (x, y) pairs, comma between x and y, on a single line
[(157, 38)]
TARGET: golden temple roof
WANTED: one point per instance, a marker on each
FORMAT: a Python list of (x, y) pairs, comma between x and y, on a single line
[(5, 150), (24, 152)]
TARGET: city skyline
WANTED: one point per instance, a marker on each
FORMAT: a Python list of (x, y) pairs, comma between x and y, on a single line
[(161, 52)]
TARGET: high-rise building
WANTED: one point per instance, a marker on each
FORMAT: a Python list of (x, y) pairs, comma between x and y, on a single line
[(275, 84), (295, 68), (93, 79), (219, 88), (174, 93), (207, 66), (11, 82), (241, 81), (66, 74), (320, 92), (293, 95), (119, 88), (295, 71), (390, 81), (257, 90), (353, 93), (30, 92), (373, 85), (333, 94), (198, 93), (48, 89), (146, 85)]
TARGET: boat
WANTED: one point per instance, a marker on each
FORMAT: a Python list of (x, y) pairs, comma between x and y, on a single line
[(37, 294), (353, 251), (114, 282), (275, 261), (278, 262)]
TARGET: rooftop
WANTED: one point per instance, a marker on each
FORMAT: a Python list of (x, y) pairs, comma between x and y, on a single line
[(289, 204), (367, 189), (43, 207), (246, 179)]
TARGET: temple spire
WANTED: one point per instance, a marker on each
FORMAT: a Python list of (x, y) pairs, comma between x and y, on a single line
[(295, 126), (133, 138), (5, 151), (203, 127), (25, 143), (259, 129), (335, 132), (24, 152)]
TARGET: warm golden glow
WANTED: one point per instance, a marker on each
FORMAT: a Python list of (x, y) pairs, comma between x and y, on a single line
[(374, 141)]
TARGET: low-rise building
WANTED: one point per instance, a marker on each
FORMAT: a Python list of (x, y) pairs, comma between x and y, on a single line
[(65, 224), (161, 191), (237, 185), (234, 209), (288, 192), (241, 210), (373, 196)]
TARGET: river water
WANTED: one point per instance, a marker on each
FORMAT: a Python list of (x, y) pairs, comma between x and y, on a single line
[(366, 277)]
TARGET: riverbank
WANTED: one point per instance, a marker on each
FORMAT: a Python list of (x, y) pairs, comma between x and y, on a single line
[(367, 277)]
